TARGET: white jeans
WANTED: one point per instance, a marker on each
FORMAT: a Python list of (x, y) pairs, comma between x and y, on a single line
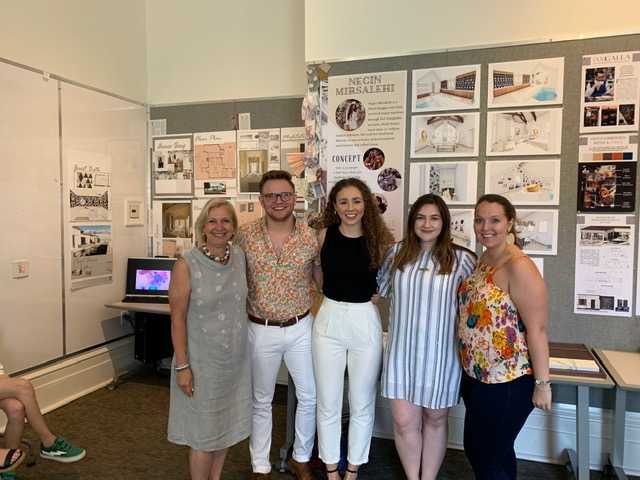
[(269, 344), (346, 334)]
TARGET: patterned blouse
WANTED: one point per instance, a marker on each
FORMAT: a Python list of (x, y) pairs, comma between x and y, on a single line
[(491, 334), (280, 285)]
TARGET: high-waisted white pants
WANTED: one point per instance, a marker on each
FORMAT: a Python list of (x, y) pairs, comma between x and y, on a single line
[(346, 335)]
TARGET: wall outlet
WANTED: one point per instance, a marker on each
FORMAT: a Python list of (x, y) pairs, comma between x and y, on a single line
[(20, 268)]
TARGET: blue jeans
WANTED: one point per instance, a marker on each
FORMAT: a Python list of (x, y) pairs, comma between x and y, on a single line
[(495, 414)]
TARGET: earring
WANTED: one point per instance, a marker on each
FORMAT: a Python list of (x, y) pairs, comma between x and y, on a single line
[(511, 238)]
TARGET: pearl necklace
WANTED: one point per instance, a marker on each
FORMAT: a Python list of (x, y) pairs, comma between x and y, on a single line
[(222, 259)]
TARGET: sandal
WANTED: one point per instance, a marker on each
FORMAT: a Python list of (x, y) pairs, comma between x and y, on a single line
[(332, 471), (9, 463), (353, 474)]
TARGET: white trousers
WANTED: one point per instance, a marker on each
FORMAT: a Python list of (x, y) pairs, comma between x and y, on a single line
[(269, 345), (346, 335)]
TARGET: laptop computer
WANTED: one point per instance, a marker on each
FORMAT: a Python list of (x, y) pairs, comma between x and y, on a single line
[(148, 280)]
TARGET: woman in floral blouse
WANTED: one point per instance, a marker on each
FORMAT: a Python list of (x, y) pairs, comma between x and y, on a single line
[(503, 343)]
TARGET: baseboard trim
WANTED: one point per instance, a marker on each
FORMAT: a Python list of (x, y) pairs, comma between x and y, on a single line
[(62, 382), (545, 436)]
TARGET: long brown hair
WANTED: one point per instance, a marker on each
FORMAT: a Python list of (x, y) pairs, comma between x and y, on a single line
[(442, 251), (376, 234), (509, 212)]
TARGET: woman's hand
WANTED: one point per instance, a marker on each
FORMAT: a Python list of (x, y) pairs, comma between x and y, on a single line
[(184, 379), (542, 397)]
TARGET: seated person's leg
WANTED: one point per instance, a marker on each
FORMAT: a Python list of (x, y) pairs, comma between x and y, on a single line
[(52, 447)]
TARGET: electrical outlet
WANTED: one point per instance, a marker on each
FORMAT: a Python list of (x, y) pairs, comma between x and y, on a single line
[(20, 268)]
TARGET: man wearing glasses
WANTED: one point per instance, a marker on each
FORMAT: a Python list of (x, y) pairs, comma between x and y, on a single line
[(281, 266)]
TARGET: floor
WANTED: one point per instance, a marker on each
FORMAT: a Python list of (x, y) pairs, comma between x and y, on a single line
[(124, 431)]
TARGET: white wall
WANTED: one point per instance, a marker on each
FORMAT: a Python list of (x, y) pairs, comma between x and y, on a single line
[(204, 50), (338, 29), (95, 42)]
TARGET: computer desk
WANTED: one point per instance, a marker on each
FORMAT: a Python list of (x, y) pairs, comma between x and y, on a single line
[(624, 368), (151, 324)]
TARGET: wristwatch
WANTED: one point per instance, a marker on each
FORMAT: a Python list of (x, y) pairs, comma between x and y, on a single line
[(542, 382)]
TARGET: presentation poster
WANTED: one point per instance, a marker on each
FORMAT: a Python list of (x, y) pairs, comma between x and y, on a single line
[(527, 82), (524, 132), (638, 285), (89, 186), (172, 228), (215, 163), (91, 256), (455, 182), (292, 152), (365, 137), (462, 227), (527, 182), (446, 88), (607, 187), (172, 166), (537, 231), (604, 265), (610, 92), (258, 152), (614, 147), (445, 135)]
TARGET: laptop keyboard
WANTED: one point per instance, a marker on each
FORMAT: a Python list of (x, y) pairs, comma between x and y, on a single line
[(137, 299)]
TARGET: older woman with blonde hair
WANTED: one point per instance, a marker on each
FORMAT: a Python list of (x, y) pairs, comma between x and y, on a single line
[(210, 377)]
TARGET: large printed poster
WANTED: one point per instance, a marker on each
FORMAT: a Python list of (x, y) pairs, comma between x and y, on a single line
[(89, 186), (610, 91), (365, 137), (258, 152), (604, 265), (172, 166), (91, 255), (215, 163)]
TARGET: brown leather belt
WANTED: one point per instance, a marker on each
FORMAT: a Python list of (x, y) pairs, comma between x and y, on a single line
[(278, 323)]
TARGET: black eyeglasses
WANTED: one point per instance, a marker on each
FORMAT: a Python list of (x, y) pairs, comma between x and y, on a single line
[(283, 196)]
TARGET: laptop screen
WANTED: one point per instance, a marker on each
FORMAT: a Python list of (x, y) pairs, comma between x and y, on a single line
[(149, 276)]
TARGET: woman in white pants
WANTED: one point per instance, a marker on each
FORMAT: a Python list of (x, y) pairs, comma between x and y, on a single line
[(347, 332)]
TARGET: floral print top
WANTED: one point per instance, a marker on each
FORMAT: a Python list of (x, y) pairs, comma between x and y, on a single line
[(491, 334)]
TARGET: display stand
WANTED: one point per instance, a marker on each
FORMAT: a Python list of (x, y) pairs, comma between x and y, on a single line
[(624, 368), (583, 382)]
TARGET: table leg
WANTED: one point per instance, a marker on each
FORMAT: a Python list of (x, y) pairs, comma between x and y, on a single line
[(291, 424), (617, 450), (579, 458), (582, 433)]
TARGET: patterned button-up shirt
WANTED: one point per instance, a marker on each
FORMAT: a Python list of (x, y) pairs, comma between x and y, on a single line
[(280, 284)]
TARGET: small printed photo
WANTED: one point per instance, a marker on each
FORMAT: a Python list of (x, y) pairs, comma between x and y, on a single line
[(599, 84), (591, 115), (601, 235), (627, 114), (389, 179), (382, 202), (609, 117), (350, 115), (215, 188), (373, 158)]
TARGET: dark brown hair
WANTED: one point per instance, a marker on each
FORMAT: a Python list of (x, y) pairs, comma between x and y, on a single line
[(508, 209), (442, 251), (376, 234), (276, 175)]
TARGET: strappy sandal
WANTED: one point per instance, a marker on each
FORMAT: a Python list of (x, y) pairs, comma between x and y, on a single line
[(8, 463), (353, 474), (332, 471)]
